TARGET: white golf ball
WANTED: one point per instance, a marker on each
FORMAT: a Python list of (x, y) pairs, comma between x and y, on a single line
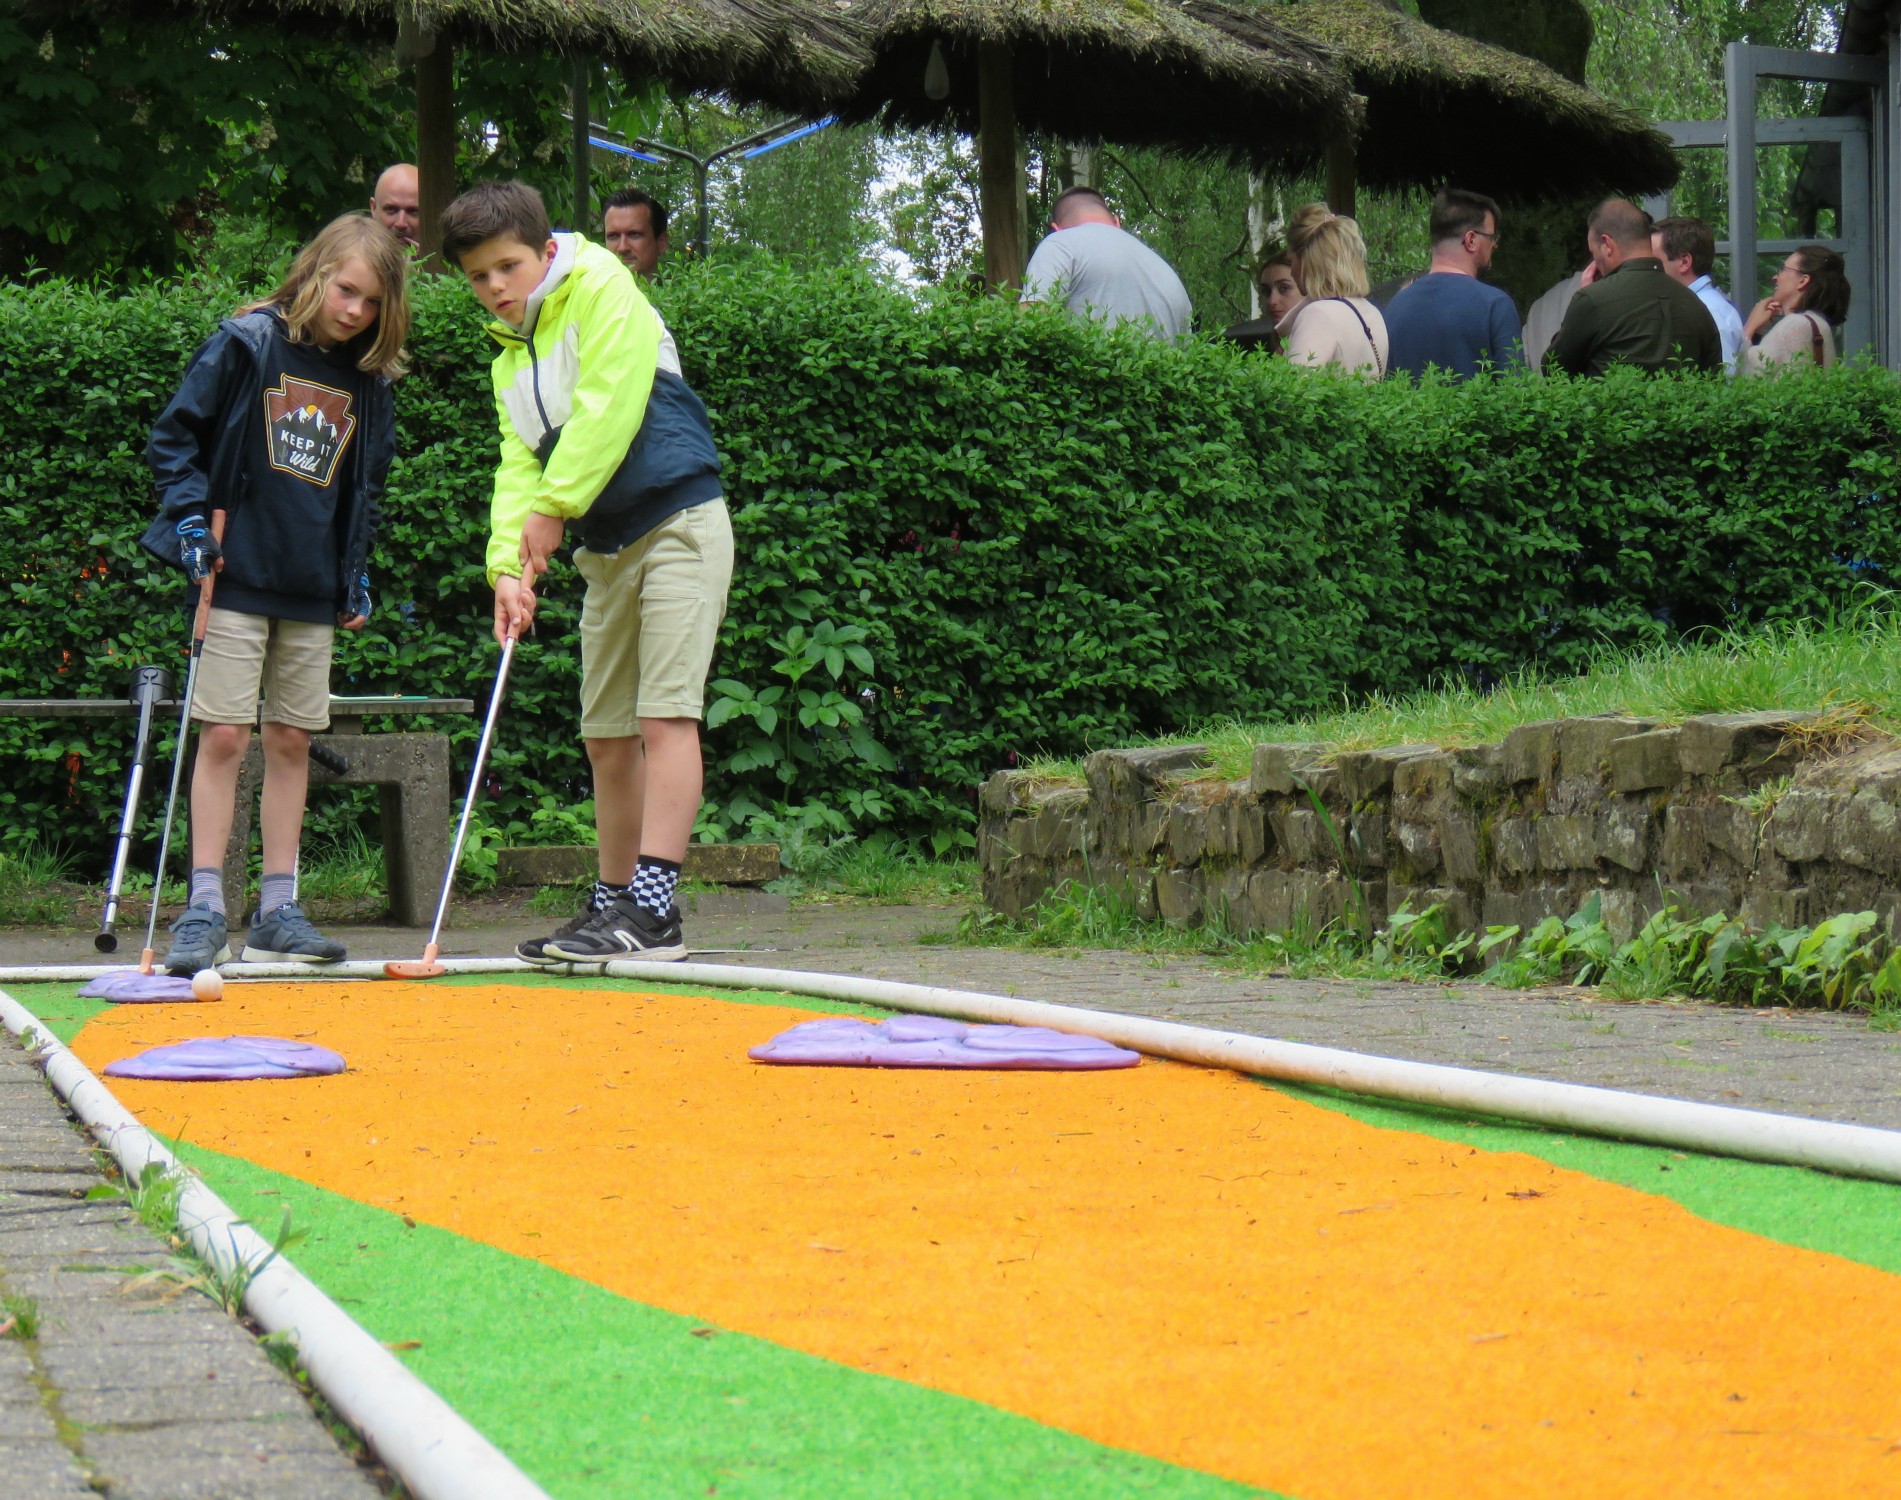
[(207, 984)]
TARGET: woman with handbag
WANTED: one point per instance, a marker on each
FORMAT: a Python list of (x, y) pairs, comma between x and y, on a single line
[(1796, 322)]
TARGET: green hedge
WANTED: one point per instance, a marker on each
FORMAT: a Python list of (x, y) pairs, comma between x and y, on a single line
[(1053, 537)]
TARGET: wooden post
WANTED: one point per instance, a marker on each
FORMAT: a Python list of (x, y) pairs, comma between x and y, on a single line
[(578, 106), (1000, 183), (435, 141), (1343, 175)]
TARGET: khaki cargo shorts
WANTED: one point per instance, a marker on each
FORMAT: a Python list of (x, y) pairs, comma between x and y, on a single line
[(650, 620), (285, 662)]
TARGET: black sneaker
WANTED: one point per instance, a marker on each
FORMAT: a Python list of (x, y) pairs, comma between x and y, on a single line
[(535, 950), (622, 929)]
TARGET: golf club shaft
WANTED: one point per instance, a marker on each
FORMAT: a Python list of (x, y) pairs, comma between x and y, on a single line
[(200, 620), (475, 782)]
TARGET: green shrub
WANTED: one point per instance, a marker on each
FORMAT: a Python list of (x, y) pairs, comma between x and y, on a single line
[(1047, 536)]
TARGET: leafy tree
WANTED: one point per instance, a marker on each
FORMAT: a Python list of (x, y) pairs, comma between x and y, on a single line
[(122, 142)]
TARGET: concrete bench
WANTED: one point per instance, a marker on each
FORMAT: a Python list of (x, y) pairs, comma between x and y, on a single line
[(412, 771)]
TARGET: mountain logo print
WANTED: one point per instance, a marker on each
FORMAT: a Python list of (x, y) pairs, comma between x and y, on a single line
[(309, 426)]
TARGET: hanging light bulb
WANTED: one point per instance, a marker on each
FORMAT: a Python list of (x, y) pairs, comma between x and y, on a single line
[(937, 75)]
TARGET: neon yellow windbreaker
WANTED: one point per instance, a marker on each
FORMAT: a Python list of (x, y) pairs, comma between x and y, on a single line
[(583, 361)]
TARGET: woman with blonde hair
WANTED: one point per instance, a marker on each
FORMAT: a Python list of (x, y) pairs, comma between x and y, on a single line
[(1336, 325), (1810, 297)]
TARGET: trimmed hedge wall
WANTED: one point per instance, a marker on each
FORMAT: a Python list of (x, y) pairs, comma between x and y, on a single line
[(1055, 537)]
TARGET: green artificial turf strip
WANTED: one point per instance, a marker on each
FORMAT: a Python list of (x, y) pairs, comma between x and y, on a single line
[(1846, 1216), (59, 1006), (593, 1394)]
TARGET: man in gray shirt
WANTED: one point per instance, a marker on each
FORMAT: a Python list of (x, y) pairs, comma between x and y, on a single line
[(1096, 268)]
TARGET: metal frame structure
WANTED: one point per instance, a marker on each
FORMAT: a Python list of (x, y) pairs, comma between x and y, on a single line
[(1869, 232)]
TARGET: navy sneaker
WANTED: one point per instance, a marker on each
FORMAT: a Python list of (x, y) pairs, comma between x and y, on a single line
[(284, 936), (198, 942), (622, 929), (535, 950)]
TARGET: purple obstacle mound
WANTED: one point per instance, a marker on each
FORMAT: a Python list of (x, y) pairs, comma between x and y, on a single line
[(932, 1042), (130, 987), (226, 1058)]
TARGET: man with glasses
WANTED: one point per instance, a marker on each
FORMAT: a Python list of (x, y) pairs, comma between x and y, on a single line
[(1449, 319), (1632, 313)]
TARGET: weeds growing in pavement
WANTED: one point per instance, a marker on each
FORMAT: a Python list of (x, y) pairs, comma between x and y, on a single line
[(19, 1318), (1839, 964), (1842, 963), (155, 1198)]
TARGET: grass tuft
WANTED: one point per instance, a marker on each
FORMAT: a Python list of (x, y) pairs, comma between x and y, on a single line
[(30, 884), (1847, 667)]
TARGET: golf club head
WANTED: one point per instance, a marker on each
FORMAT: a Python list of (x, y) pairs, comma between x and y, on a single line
[(424, 968), (106, 940)]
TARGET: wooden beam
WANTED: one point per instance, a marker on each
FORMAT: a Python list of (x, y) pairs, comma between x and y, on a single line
[(579, 103), (1343, 177), (435, 143), (1000, 181)]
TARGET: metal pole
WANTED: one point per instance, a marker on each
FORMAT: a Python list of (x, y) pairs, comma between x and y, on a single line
[(1739, 74)]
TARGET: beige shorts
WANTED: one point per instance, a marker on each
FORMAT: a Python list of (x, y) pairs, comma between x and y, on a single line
[(650, 620), (247, 657)]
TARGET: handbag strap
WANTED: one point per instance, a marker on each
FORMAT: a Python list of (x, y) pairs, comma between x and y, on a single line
[(1815, 339), (1379, 368)]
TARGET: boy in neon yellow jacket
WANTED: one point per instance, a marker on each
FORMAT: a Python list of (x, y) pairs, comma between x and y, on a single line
[(604, 443)]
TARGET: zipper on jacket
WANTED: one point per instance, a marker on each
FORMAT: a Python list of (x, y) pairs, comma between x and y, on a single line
[(534, 385)]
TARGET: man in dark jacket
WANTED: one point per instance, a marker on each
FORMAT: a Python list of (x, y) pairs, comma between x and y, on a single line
[(1631, 312)]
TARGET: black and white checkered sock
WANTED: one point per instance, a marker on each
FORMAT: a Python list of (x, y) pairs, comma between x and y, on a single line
[(654, 882), (603, 894)]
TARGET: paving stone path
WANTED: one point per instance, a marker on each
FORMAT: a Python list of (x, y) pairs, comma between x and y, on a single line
[(135, 1391)]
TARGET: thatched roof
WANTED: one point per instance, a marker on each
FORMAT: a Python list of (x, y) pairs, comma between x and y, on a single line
[(1133, 72), (1443, 108), (785, 53)]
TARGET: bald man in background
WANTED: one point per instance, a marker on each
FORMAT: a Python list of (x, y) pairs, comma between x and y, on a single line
[(396, 201)]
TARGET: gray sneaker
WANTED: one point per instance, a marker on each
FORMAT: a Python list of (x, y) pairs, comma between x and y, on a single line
[(198, 941), (285, 936)]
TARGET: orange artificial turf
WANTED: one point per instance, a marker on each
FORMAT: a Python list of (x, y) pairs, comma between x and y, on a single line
[(1168, 1259)]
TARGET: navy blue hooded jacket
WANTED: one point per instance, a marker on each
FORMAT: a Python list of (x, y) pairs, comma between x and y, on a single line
[(294, 444)]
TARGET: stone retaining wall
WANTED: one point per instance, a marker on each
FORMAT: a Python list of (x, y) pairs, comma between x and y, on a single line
[(1758, 814)]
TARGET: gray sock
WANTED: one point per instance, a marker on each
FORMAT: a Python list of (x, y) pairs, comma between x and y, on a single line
[(276, 891), (207, 887)]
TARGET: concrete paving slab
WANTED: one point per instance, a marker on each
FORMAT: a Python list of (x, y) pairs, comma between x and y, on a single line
[(135, 1405), (223, 1461), (42, 1469), (162, 1395)]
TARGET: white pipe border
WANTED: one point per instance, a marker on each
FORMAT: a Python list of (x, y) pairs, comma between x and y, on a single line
[(422, 1439), (353, 969), (1755, 1135)]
